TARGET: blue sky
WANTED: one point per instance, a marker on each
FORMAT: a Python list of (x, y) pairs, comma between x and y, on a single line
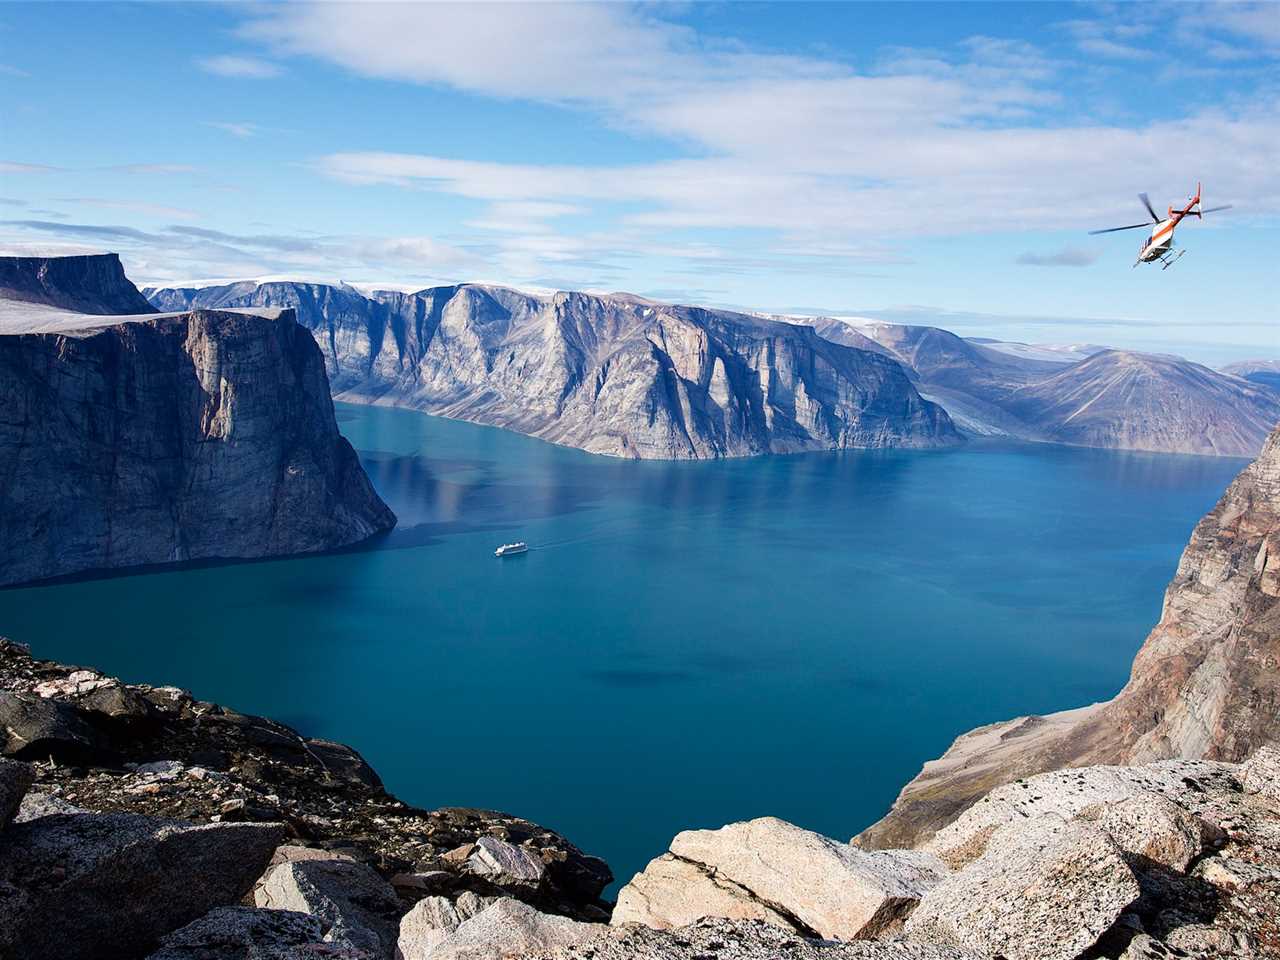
[(940, 162)]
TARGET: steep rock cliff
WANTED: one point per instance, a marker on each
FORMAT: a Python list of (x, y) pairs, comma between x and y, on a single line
[(147, 440), (86, 284), (615, 374), (1205, 685)]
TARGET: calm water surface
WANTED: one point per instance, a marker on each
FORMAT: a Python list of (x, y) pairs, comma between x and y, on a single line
[(686, 644)]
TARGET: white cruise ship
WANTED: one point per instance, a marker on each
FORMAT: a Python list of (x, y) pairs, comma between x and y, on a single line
[(510, 549)]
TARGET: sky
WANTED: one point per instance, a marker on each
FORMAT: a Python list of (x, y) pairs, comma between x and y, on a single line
[(935, 163)]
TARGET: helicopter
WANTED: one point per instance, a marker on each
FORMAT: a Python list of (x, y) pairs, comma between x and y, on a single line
[(1159, 246)]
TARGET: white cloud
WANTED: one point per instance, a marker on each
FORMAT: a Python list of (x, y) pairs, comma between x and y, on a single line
[(929, 142), (249, 68), (178, 251), (13, 166), (241, 130)]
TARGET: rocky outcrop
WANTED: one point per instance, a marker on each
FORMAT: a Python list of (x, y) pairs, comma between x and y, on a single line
[(93, 284), (506, 929), (1112, 398), (1093, 862), (243, 933), (157, 751), (771, 870), (1204, 685), (355, 907), (76, 886), (206, 435), (1044, 890), (614, 374)]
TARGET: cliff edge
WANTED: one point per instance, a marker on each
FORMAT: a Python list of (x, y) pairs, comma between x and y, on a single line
[(132, 440), (1205, 684), (94, 283)]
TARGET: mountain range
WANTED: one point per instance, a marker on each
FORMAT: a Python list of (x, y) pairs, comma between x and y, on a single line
[(621, 375), (610, 374), (1092, 396)]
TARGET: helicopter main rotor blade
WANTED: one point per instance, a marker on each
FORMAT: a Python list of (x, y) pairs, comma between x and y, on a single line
[(1132, 226), (1146, 202), (1225, 206)]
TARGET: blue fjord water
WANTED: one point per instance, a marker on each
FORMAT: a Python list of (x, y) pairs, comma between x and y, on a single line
[(686, 644)]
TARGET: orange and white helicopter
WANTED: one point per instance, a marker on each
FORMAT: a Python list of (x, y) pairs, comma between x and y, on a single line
[(1159, 246)]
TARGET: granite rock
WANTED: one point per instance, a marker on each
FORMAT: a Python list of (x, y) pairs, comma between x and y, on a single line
[(85, 886), (768, 869), (1045, 889), (355, 906), (246, 933)]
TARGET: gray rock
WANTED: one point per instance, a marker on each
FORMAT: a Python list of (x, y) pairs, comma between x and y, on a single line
[(1152, 828), (15, 780), (1260, 774), (86, 886), (771, 870), (1067, 793), (432, 920), (36, 729), (615, 375), (39, 804), (171, 438), (356, 906), (244, 933), (510, 929), (742, 940), (506, 864), (1044, 889)]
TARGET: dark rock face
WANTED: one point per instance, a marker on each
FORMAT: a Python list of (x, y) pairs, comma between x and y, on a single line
[(173, 756), (15, 779), (210, 435), (84, 886), (609, 374), (90, 284), (243, 933), (1204, 685)]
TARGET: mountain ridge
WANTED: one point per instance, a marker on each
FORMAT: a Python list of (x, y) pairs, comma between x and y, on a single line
[(617, 375)]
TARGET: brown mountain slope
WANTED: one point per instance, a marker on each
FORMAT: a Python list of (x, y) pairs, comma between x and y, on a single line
[(1141, 401), (1206, 684)]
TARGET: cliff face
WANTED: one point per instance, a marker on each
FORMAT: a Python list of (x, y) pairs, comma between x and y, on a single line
[(151, 440), (1114, 399), (88, 284), (609, 374), (1206, 684)]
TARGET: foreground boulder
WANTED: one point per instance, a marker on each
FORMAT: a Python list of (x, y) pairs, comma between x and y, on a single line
[(34, 728), (1147, 793), (1045, 889), (355, 906), (504, 929), (245, 933), (771, 870), (84, 886)]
